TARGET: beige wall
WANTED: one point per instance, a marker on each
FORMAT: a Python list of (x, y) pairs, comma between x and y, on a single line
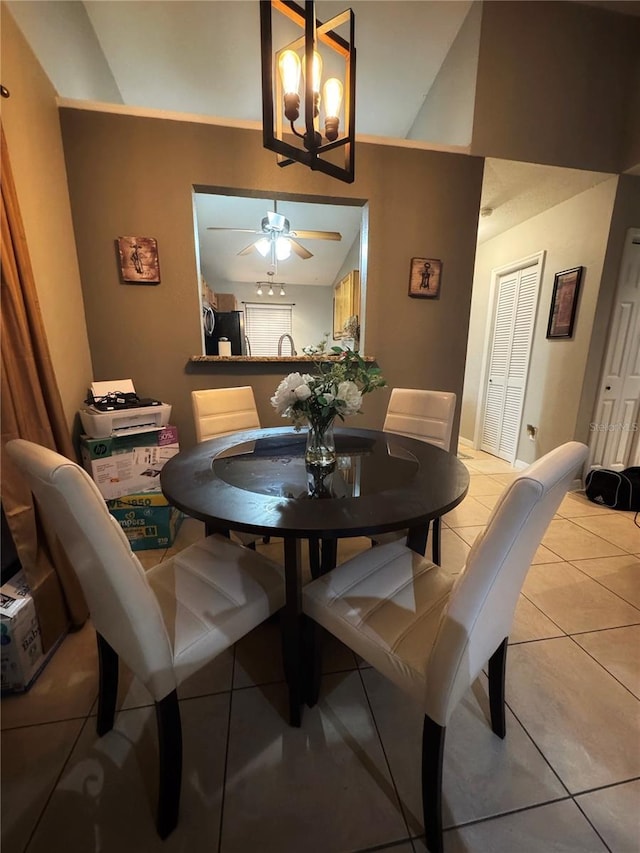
[(626, 214), (133, 176), (447, 113), (31, 123), (555, 85), (574, 233)]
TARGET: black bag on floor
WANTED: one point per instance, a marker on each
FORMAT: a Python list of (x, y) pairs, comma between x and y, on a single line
[(614, 489)]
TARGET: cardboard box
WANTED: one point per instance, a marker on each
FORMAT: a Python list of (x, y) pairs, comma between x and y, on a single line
[(130, 463), (149, 526), (153, 497), (226, 302), (21, 656)]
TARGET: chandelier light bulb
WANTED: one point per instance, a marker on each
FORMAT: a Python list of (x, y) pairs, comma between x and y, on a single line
[(316, 75), (332, 97), (270, 291), (259, 290), (289, 64), (332, 102), (282, 293)]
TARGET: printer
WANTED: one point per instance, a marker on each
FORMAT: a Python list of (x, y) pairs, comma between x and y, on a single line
[(114, 408)]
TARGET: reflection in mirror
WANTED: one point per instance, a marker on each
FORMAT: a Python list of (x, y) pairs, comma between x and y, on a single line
[(278, 277)]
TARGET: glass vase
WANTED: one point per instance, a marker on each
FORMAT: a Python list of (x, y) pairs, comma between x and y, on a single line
[(321, 449)]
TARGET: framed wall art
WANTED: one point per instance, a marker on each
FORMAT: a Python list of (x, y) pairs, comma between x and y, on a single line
[(564, 303), (139, 260), (424, 278)]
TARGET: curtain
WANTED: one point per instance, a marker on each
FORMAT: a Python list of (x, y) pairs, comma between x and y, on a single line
[(31, 409)]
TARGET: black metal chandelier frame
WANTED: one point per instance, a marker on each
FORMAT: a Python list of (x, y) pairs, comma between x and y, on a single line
[(273, 129)]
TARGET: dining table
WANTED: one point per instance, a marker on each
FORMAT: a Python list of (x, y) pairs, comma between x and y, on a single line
[(257, 481)]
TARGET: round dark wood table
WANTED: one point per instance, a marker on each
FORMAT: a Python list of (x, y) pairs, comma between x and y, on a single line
[(256, 481)]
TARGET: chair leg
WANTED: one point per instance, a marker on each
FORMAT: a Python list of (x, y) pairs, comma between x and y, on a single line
[(107, 687), (432, 757), (435, 543), (170, 753), (497, 673)]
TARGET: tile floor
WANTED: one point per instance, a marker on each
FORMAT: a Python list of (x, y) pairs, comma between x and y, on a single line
[(566, 778)]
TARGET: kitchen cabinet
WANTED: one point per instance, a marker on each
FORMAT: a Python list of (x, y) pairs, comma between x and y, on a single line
[(346, 302)]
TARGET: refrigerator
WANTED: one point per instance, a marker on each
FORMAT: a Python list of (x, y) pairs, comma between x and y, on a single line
[(230, 325)]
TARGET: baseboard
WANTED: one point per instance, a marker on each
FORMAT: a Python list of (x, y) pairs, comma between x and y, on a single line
[(519, 465), (466, 442)]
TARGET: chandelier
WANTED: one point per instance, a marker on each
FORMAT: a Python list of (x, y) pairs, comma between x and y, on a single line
[(282, 106)]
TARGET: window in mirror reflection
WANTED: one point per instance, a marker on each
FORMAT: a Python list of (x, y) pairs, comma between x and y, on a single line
[(298, 256)]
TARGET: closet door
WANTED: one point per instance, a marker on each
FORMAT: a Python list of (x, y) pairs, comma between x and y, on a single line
[(515, 313)]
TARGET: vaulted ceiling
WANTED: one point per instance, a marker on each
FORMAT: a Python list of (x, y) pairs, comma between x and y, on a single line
[(203, 58)]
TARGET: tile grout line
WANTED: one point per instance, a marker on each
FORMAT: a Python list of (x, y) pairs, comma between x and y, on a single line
[(602, 666), (57, 780), (599, 582), (386, 759), (226, 753)]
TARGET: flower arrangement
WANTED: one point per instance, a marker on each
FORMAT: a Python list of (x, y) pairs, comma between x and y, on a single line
[(334, 391)]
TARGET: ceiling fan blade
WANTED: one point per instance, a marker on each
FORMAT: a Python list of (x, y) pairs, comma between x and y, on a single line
[(239, 230), (300, 251), (317, 235), (248, 249)]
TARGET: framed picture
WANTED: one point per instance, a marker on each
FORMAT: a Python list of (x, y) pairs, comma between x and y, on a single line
[(564, 302), (139, 260), (424, 278)]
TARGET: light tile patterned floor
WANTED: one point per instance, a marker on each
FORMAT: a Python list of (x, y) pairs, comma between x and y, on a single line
[(565, 779)]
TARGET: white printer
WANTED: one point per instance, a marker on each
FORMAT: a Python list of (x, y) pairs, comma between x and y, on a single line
[(115, 409)]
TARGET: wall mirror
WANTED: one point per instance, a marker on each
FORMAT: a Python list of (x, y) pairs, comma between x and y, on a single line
[(278, 274)]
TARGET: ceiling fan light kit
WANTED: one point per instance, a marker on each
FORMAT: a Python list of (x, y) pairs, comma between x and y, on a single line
[(277, 239), (282, 71)]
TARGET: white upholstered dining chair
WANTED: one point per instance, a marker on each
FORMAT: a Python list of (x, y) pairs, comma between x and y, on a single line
[(431, 632), (165, 623), (426, 416), (221, 411)]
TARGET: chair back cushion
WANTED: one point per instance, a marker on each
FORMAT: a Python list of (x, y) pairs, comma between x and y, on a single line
[(483, 600), (425, 415), (122, 605), (220, 411)]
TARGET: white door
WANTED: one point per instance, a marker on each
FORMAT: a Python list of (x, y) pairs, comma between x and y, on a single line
[(516, 300), (614, 431)]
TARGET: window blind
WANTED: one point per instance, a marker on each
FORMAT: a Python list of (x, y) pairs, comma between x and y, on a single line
[(264, 325)]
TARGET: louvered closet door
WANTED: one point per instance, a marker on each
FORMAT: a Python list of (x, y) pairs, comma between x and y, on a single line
[(517, 296)]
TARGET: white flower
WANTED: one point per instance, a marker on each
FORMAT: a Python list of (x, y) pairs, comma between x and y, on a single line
[(302, 392), (350, 398), (286, 393)]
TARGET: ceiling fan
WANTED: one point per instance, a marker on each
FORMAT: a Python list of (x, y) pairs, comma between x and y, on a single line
[(277, 239)]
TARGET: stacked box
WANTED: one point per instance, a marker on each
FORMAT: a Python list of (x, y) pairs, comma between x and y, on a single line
[(129, 463), (147, 518), (21, 656), (126, 468)]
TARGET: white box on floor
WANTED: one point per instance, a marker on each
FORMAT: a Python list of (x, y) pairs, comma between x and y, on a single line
[(21, 655)]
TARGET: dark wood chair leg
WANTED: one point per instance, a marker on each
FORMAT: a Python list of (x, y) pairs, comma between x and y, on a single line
[(497, 673), (170, 747), (432, 757), (107, 687), (435, 543)]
